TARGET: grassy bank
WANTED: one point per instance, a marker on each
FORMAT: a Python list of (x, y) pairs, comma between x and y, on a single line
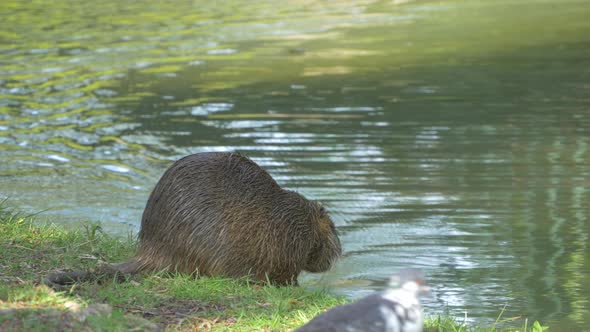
[(28, 251)]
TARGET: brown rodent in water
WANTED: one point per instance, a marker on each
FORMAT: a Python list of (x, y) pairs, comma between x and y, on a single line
[(220, 214)]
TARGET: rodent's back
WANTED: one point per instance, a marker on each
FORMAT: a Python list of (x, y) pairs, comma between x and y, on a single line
[(209, 184)]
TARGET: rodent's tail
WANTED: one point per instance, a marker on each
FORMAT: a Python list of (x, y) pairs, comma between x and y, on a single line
[(131, 266), (120, 272)]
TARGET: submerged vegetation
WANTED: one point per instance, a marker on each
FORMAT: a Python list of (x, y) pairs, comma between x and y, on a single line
[(174, 303)]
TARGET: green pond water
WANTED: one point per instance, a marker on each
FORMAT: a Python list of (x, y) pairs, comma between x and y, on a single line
[(450, 136)]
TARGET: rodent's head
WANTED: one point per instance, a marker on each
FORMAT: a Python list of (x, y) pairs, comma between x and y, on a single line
[(326, 248)]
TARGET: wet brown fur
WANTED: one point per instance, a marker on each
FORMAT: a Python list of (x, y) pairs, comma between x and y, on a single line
[(220, 214)]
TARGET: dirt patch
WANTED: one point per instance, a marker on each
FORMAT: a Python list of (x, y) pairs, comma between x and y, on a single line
[(179, 313)]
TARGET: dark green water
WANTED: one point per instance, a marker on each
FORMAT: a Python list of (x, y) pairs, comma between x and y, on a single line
[(452, 136)]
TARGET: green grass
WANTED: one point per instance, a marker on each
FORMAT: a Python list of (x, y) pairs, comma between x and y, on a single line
[(29, 250), (449, 324)]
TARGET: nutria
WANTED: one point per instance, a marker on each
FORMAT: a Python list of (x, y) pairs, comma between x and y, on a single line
[(220, 214)]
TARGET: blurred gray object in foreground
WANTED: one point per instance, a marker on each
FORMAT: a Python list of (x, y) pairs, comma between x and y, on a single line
[(393, 310)]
